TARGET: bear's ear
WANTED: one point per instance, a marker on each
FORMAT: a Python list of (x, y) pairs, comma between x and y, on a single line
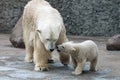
[(39, 31), (73, 49)]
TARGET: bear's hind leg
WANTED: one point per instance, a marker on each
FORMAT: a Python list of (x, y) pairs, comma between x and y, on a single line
[(93, 65)]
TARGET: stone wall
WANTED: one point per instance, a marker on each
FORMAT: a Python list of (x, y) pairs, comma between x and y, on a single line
[(10, 11), (81, 17)]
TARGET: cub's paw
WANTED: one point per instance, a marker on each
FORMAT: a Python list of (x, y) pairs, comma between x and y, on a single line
[(41, 68)]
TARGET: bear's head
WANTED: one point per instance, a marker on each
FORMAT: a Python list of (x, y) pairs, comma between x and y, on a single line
[(66, 47), (49, 36)]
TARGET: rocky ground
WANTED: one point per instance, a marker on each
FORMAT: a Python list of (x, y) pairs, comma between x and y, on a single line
[(13, 67)]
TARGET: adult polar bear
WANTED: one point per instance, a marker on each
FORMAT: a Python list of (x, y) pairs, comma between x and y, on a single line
[(43, 29)]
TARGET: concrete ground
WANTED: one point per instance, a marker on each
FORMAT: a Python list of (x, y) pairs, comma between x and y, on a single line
[(13, 67)]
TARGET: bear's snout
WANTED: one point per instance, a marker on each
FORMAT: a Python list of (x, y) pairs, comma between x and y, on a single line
[(51, 50)]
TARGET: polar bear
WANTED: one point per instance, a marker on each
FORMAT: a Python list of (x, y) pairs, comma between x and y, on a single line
[(43, 29), (80, 53)]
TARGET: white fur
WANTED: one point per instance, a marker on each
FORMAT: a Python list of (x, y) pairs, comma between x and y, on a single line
[(80, 53), (43, 29)]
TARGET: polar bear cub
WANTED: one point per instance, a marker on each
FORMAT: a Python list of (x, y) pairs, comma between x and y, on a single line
[(80, 53)]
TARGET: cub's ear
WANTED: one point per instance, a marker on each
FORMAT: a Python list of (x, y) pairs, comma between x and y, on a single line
[(39, 31), (73, 49)]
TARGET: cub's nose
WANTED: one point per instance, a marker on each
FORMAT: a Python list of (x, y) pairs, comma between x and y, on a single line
[(51, 50), (57, 48)]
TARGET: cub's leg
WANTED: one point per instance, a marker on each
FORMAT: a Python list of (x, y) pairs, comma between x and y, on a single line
[(74, 63), (78, 69)]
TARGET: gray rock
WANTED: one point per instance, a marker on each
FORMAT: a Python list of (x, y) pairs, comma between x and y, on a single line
[(113, 43), (16, 37)]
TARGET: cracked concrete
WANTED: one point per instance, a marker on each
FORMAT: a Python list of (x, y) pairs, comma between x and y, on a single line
[(13, 67)]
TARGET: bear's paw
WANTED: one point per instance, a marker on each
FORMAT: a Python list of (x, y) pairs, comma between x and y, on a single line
[(41, 68)]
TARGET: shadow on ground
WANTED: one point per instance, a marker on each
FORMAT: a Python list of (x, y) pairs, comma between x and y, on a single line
[(13, 67)]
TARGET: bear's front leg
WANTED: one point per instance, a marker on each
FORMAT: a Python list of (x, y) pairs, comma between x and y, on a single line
[(64, 58), (40, 60), (29, 53), (50, 57)]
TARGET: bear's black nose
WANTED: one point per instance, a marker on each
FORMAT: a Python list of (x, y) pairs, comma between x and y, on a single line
[(51, 50)]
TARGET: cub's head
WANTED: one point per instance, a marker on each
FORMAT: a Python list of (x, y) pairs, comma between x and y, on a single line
[(49, 37), (66, 47)]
